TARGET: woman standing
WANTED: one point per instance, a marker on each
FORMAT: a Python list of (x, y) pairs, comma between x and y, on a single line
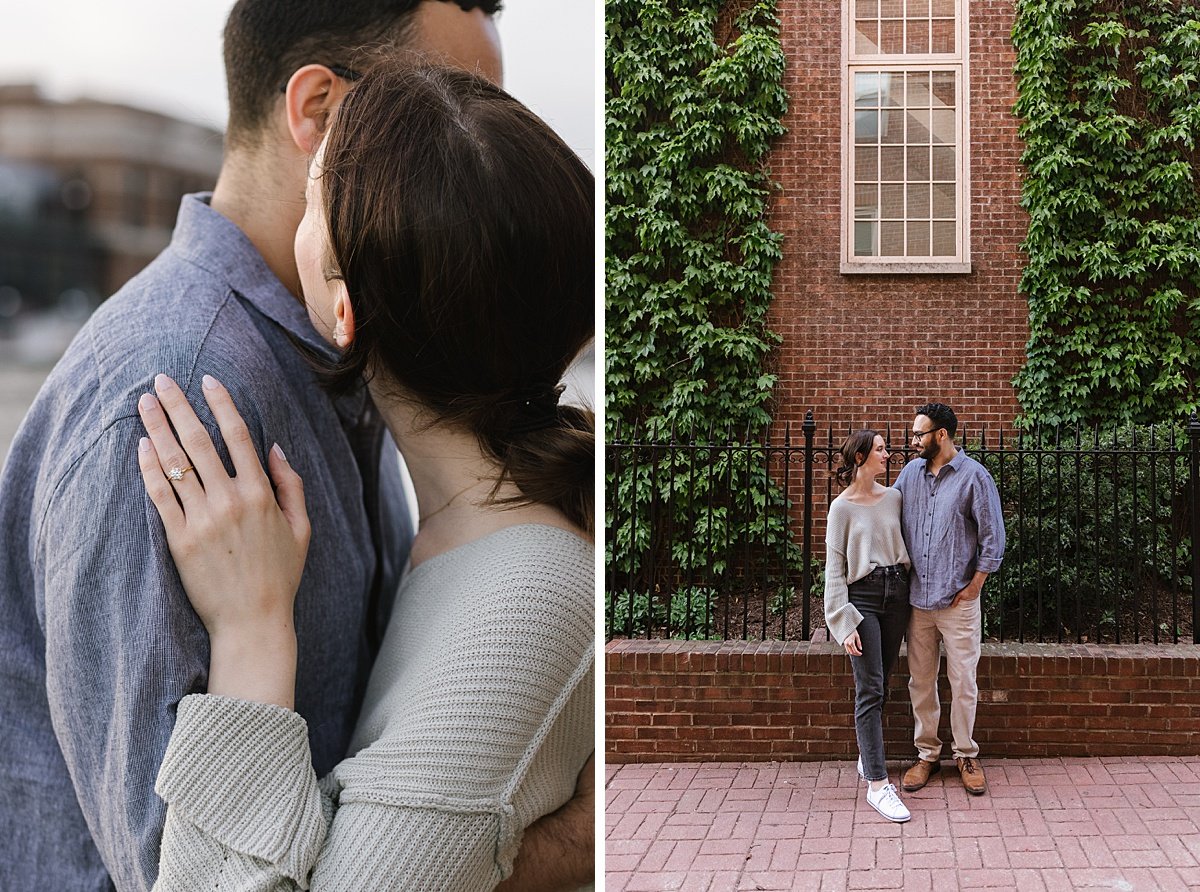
[(866, 599)]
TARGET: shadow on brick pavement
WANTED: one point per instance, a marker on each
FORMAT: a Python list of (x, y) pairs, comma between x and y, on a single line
[(1045, 824)]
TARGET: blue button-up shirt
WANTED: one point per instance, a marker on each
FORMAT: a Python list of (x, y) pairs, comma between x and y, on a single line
[(97, 640), (953, 526)]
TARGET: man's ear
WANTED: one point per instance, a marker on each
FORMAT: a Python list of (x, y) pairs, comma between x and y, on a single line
[(343, 314), (312, 96)]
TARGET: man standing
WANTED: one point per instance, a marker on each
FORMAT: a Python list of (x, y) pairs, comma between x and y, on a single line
[(97, 641), (954, 531)]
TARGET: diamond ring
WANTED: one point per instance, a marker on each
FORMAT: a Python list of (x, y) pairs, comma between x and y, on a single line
[(177, 473)]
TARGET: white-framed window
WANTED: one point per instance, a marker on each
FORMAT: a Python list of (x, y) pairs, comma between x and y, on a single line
[(905, 137)]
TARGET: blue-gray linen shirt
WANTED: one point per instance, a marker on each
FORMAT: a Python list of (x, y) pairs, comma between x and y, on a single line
[(953, 525), (98, 643)]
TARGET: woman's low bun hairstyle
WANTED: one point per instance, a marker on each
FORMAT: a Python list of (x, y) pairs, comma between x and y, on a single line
[(853, 453)]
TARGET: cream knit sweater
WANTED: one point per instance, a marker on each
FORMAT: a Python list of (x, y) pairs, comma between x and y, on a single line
[(477, 720), (858, 538)]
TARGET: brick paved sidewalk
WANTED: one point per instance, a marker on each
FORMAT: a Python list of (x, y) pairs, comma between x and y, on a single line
[(1045, 824)]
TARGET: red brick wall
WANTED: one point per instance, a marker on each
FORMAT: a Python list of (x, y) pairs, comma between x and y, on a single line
[(868, 349), (757, 701)]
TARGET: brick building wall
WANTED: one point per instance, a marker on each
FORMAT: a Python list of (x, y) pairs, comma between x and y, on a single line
[(866, 349), (758, 701)]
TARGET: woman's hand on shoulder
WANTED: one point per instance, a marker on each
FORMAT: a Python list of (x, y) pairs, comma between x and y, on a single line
[(239, 546)]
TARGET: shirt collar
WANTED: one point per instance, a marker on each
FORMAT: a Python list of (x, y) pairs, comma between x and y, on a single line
[(956, 463), (214, 243)]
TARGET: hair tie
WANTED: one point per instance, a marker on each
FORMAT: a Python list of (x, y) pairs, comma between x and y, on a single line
[(536, 408)]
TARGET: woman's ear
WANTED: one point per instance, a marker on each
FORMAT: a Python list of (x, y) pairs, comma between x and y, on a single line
[(313, 94), (343, 314)]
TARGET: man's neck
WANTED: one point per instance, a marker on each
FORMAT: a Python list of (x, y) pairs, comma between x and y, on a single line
[(259, 201), (943, 458)]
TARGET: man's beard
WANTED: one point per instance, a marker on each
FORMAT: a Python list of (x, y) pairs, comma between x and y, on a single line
[(930, 451)]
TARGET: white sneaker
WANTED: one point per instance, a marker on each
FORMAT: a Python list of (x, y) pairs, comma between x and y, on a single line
[(887, 803), (860, 771)]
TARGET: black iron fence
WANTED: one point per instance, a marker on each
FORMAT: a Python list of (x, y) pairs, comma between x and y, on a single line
[(712, 537)]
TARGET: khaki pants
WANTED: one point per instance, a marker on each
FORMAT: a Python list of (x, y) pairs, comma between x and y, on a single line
[(959, 629)]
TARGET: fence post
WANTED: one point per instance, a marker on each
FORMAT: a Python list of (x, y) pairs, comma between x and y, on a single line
[(1194, 500), (810, 427)]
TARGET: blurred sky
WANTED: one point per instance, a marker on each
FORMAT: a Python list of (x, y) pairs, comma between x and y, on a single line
[(165, 55)]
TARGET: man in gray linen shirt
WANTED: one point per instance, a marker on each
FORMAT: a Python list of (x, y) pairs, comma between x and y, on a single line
[(954, 532), (97, 640)]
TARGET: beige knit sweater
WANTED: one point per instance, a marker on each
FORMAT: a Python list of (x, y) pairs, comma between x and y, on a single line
[(858, 538), (477, 720)]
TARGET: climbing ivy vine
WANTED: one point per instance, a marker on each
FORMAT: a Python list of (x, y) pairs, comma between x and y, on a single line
[(1109, 97), (694, 97)]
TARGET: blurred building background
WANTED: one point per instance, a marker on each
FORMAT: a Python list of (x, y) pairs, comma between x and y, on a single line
[(89, 191)]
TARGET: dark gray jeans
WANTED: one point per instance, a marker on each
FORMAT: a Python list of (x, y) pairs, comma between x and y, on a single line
[(882, 599)]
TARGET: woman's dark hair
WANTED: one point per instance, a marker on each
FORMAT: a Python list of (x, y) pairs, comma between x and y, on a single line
[(464, 229), (853, 453)]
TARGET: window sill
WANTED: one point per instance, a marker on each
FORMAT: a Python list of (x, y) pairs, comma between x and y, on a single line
[(905, 267)]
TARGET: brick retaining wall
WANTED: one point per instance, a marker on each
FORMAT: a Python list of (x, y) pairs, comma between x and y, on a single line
[(784, 700)]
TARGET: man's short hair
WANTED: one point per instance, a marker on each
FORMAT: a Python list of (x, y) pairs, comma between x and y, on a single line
[(266, 41), (941, 415)]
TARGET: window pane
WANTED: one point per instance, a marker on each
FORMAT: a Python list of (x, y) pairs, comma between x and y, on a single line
[(942, 36), (943, 163), (866, 37), (918, 126), (866, 90), (918, 163), (891, 163), (891, 202), (918, 9), (918, 238), (943, 201), (917, 36), (891, 36), (891, 89), (944, 237), (943, 126), (917, 95), (891, 128), (943, 8), (891, 239), (866, 126), (866, 163), (866, 201), (866, 9), (943, 89), (892, 9), (918, 201), (864, 238)]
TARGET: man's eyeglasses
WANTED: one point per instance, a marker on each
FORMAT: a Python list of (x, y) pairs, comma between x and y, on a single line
[(346, 74), (920, 435)]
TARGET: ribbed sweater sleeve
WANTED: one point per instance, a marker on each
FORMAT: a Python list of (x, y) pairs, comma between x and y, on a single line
[(477, 720), (841, 617)]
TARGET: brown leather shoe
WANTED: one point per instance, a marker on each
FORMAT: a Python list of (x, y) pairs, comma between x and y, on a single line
[(971, 773), (919, 773)]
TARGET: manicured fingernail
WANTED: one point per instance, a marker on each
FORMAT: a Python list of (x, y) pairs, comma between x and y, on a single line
[(146, 403), (144, 444), (210, 383), (161, 382), (275, 448)]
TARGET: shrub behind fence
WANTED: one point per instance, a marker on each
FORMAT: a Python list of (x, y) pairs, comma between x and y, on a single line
[(711, 538)]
